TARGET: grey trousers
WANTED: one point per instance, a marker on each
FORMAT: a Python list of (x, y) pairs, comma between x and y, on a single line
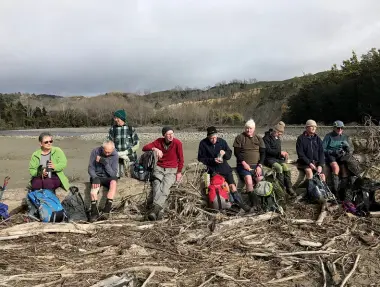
[(163, 179)]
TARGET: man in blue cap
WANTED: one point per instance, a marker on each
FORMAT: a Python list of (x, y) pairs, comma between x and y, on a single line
[(336, 145), (126, 141)]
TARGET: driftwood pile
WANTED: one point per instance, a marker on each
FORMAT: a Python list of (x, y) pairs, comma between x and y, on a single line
[(310, 245)]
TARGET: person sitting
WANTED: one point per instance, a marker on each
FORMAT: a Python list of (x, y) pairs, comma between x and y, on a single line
[(275, 157), (336, 145), (249, 150), (102, 168), (126, 141), (214, 152), (47, 164), (168, 152), (310, 153)]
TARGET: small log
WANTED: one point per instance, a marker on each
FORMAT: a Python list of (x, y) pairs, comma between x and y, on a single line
[(307, 253), (149, 278), (374, 213), (247, 219), (309, 243), (323, 272), (287, 278), (322, 215), (351, 272), (332, 240)]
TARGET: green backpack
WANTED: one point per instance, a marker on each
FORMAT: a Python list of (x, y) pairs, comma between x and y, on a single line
[(265, 197)]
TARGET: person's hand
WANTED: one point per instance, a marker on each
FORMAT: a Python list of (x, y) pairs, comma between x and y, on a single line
[(158, 152), (44, 173), (319, 169), (51, 165), (178, 176), (95, 185), (98, 157), (218, 161), (246, 166), (258, 171), (222, 152), (284, 154), (312, 166)]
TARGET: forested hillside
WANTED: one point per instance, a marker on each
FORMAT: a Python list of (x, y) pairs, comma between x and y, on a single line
[(349, 93)]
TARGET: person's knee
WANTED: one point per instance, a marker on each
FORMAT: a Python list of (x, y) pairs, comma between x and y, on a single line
[(285, 167), (308, 173), (344, 171), (334, 167)]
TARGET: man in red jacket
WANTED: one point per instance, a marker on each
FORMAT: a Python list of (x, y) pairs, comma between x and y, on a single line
[(169, 158)]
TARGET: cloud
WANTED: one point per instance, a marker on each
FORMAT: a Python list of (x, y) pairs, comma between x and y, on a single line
[(91, 46)]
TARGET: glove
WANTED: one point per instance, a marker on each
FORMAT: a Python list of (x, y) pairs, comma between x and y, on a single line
[(103, 161)]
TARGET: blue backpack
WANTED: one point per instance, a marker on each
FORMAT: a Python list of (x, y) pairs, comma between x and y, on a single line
[(3, 211), (47, 206)]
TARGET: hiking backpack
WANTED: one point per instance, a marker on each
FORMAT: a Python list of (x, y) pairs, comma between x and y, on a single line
[(318, 191), (218, 193), (143, 168), (264, 197), (45, 206), (74, 206), (3, 211)]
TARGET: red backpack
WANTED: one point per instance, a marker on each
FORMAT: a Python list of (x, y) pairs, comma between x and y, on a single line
[(219, 193)]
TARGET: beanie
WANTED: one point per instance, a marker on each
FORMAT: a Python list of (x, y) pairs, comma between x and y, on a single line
[(280, 127), (311, 123), (166, 129), (121, 114), (211, 131)]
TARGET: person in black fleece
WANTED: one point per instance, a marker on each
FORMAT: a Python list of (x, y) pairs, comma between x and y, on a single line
[(275, 157), (311, 157), (214, 152)]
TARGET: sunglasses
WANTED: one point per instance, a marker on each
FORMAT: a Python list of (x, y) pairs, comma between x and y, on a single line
[(339, 128), (46, 142)]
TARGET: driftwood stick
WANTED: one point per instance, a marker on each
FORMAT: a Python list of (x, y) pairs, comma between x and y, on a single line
[(323, 271), (225, 276), (351, 272), (55, 282), (375, 213), (247, 219), (302, 221), (207, 281), (309, 243), (148, 279), (322, 215), (307, 253), (287, 278), (332, 240)]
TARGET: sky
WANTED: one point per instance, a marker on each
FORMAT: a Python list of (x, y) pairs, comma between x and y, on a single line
[(89, 47)]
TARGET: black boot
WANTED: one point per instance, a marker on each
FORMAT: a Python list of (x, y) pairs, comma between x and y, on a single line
[(288, 184), (155, 213), (239, 201), (343, 188), (255, 201), (335, 184), (107, 209), (94, 211)]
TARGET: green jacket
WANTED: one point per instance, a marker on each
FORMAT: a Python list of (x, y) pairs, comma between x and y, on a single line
[(334, 142), (59, 160)]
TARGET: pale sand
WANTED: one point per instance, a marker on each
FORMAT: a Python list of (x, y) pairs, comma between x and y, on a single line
[(15, 153)]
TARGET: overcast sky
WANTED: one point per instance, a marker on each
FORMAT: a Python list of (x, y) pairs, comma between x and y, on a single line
[(87, 47)]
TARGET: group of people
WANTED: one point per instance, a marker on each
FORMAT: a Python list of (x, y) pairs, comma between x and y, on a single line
[(113, 159)]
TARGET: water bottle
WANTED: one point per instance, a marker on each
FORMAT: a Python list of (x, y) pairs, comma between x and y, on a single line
[(48, 170), (141, 173), (220, 157)]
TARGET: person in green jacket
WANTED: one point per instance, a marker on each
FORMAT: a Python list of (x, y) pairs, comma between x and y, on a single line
[(47, 164), (336, 145)]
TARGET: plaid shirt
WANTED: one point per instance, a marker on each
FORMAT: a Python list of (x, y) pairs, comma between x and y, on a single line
[(124, 137)]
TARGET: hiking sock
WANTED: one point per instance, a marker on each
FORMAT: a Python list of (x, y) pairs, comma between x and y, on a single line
[(94, 207), (108, 205)]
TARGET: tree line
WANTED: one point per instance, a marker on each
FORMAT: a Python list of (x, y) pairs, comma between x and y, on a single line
[(350, 93)]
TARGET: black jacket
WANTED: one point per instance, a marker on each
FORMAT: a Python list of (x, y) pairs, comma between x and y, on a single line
[(207, 153), (310, 149), (272, 148)]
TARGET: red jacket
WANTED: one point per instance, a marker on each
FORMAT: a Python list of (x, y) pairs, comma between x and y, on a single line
[(172, 157)]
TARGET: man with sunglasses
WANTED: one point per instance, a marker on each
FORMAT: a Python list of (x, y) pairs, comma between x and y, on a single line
[(336, 145), (47, 164)]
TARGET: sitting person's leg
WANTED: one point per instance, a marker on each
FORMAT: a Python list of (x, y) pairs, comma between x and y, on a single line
[(288, 179), (334, 174), (111, 184), (95, 187), (234, 192), (344, 181), (36, 183), (51, 183)]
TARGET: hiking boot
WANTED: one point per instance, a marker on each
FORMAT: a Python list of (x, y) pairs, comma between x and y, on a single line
[(104, 216), (335, 184), (155, 213), (239, 201), (343, 188), (94, 211), (288, 184)]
